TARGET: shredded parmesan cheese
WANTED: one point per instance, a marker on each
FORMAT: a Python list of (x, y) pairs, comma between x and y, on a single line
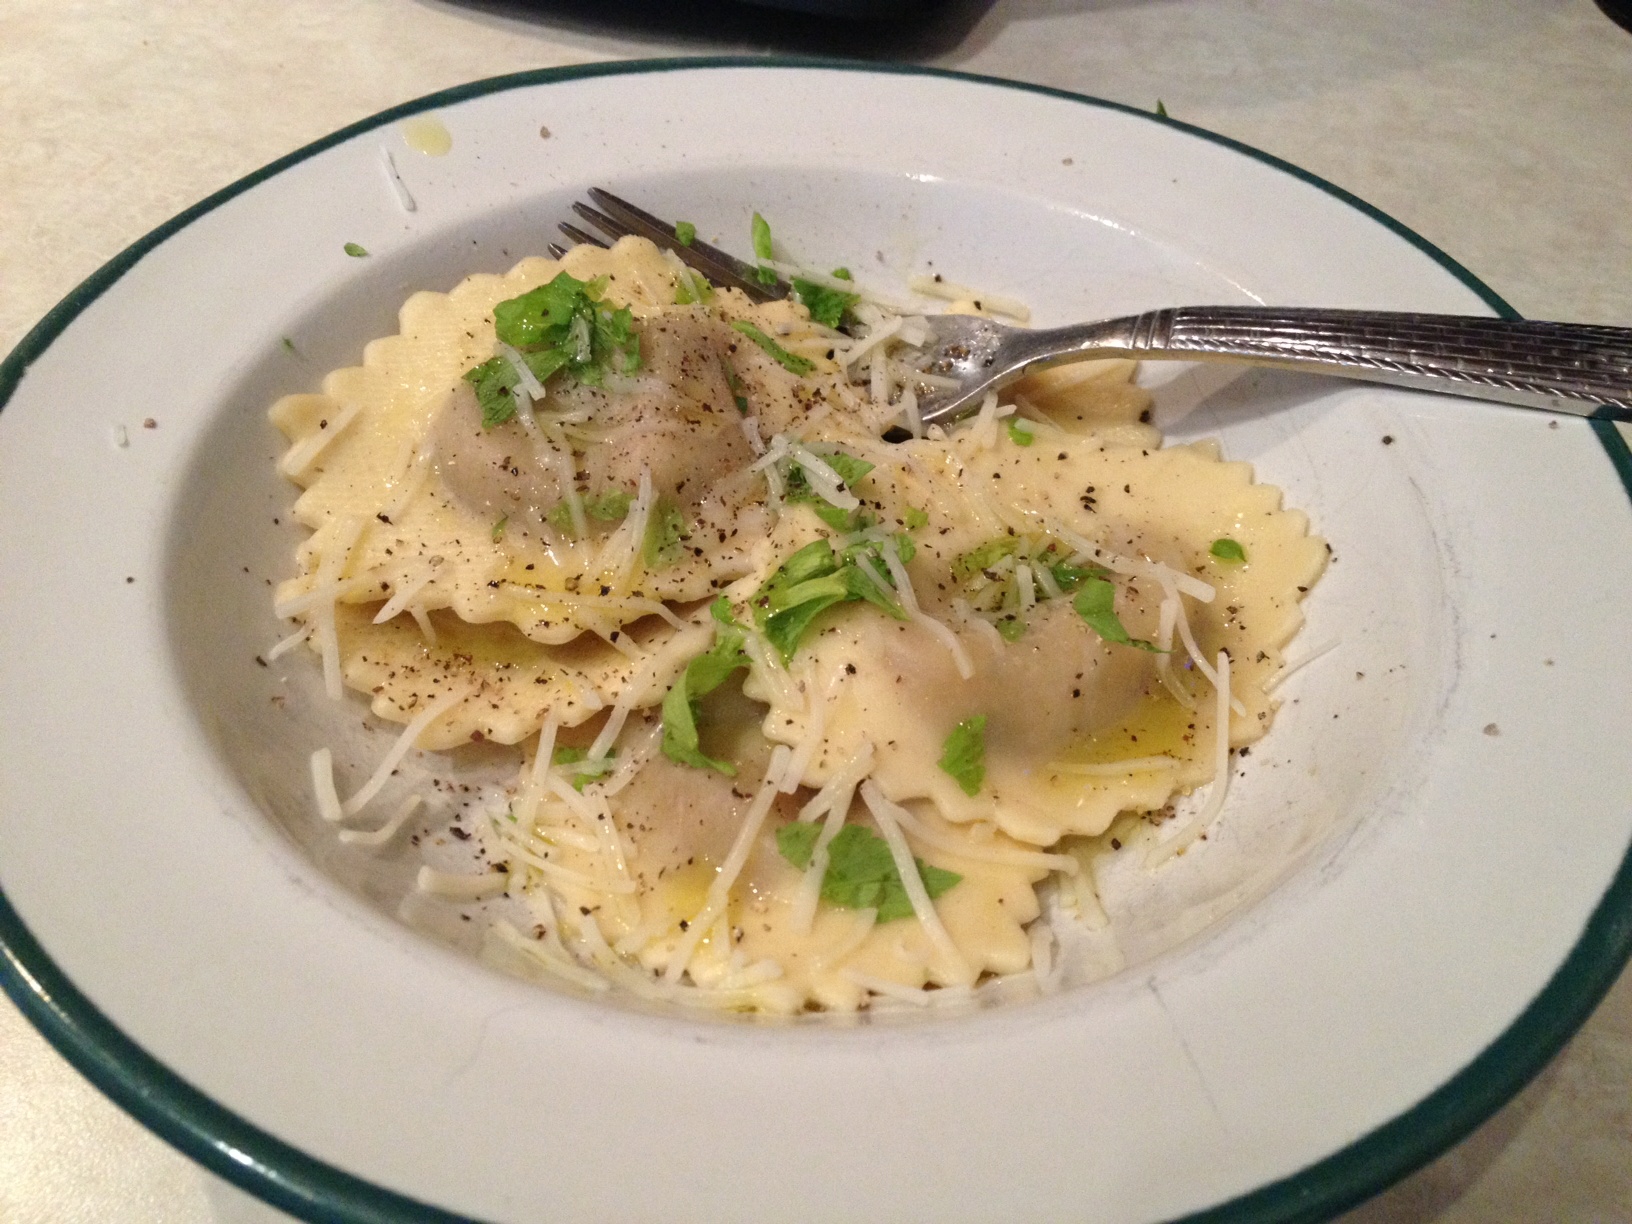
[(461, 886), (1182, 839), (432, 711), (303, 454), (388, 830), (328, 800), (884, 815), (719, 892)]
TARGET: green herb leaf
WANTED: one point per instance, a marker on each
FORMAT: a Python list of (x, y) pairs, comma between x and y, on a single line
[(915, 518), (588, 771), (702, 676), (559, 516), (797, 841), (807, 584), (692, 286), (812, 561), (1069, 577), (861, 873), (664, 532), (541, 316), (355, 251), (498, 528), (1011, 628), (1161, 110), (685, 233), (862, 587), (978, 560), (734, 381), (720, 610), (559, 326), (1227, 549), (791, 362), (494, 380), (290, 345), (844, 521), (609, 507), (964, 754), (787, 628), (760, 229), (850, 470), (826, 306), (1020, 432), (1096, 603), (842, 274)]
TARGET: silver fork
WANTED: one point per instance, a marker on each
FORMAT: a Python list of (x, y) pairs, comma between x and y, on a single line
[(1574, 368)]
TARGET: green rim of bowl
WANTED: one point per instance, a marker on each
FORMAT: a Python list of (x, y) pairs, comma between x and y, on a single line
[(304, 1186)]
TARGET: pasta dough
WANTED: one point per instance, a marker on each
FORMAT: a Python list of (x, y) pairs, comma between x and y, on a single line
[(896, 679)]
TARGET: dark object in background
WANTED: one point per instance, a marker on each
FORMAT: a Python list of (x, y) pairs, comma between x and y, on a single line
[(1618, 11), (906, 31), (850, 10)]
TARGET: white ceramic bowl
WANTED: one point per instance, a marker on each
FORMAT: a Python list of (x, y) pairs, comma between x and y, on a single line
[(1417, 891)]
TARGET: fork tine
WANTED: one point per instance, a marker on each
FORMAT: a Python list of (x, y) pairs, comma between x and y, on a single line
[(712, 262), (578, 235), (612, 228), (557, 251)]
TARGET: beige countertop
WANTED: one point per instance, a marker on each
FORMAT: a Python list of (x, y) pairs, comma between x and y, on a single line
[(1501, 130)]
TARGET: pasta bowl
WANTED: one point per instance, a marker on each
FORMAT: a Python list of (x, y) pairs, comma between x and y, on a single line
[(1416, 891)]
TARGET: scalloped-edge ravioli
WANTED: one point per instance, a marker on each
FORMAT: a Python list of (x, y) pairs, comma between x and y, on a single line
[(806, 718)]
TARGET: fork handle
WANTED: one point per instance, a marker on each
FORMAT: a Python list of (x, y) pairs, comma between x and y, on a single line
[(1564, 367)]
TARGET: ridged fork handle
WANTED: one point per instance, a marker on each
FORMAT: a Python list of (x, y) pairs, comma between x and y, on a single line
[(1564, 367)]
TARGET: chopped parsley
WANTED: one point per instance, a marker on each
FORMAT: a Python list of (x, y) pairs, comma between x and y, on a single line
[(588, 771), (498, 528), (290, 346), (978, 560), (810, 582), (791, 362), (609, 507), (760, 230), (850, 470), (685, 233), (665, 535), (915, 518), (964, 754), (692, 286), (1069, 577), (495, 381), (989, 575), (702, 676), (1020, 432), (1096, 603), (797, 841), (1161, 111), (734, 381), (562, 326), (827, 306), (861, 871), (1227, 549), (355, 250)]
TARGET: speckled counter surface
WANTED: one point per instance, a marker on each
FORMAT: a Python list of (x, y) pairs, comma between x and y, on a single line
[(1499, 129)]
